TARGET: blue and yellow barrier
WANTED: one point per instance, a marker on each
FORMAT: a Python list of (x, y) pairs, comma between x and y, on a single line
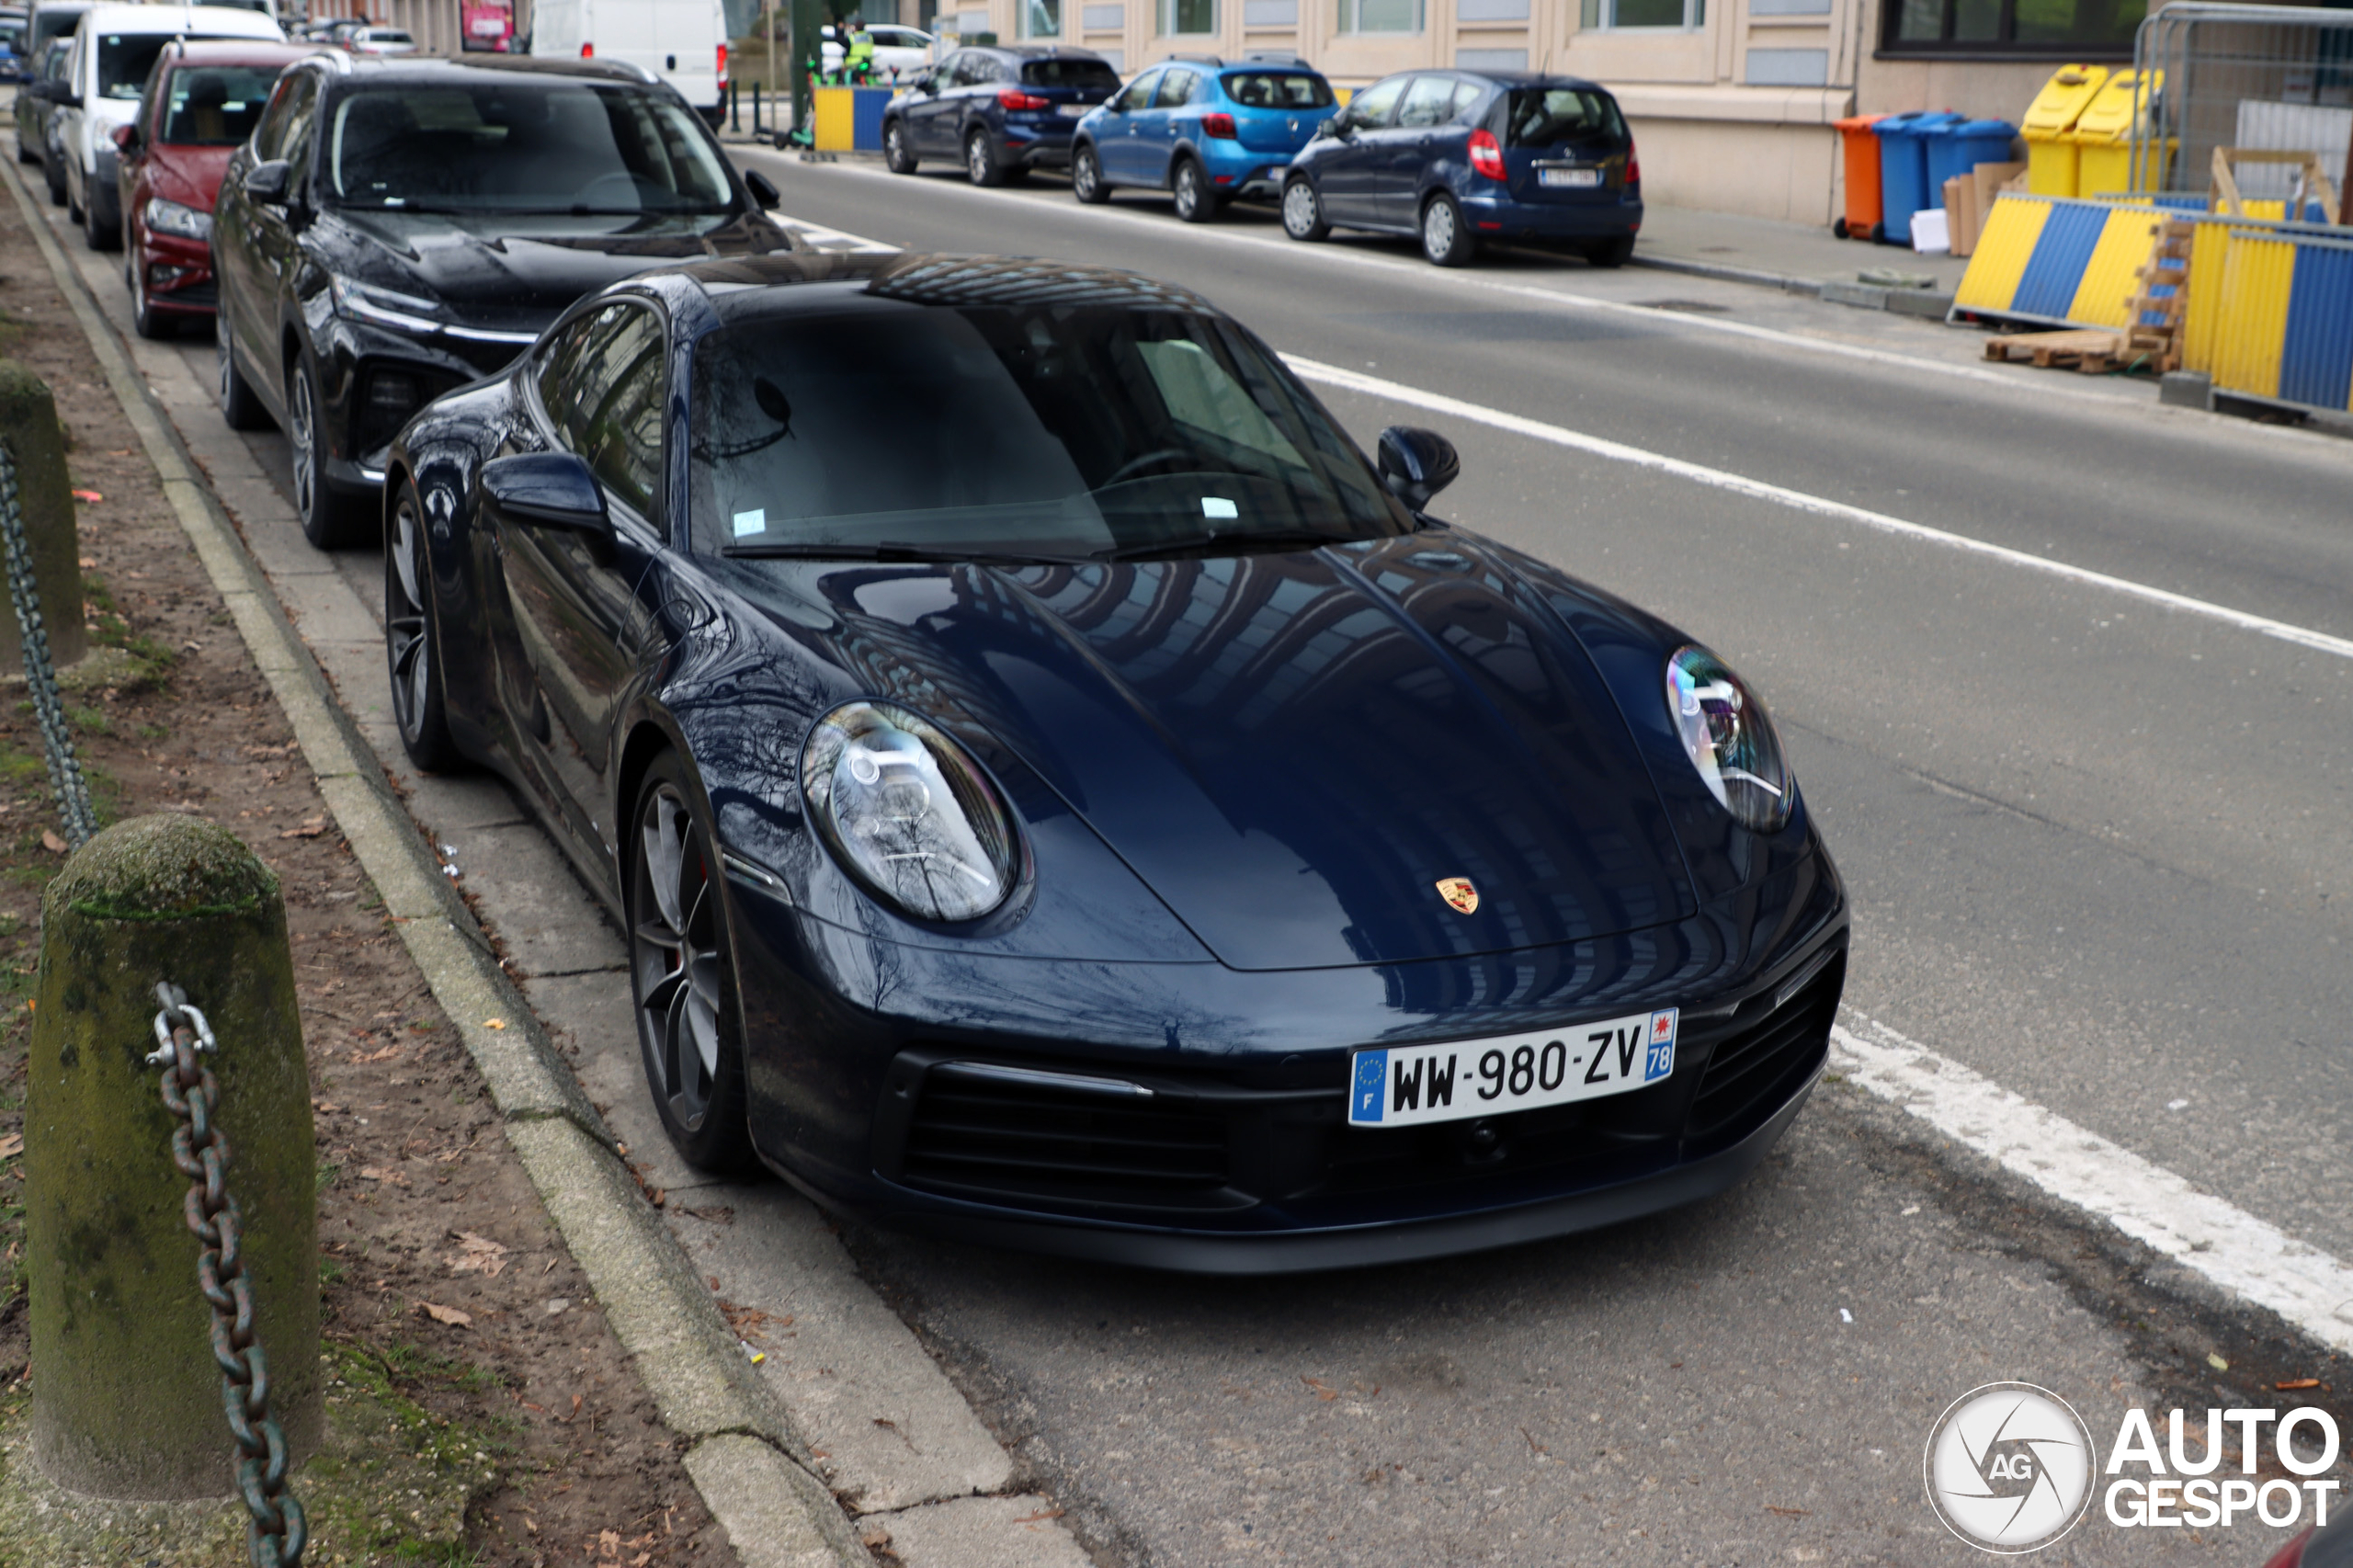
[(2282, 327), (2057, 261), (848, 120)]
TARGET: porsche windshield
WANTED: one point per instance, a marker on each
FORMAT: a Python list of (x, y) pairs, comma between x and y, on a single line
[(1047, 431), (523, 146)]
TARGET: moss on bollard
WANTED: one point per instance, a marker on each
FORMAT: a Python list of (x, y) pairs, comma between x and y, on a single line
[(125, 1393), (45, 500)]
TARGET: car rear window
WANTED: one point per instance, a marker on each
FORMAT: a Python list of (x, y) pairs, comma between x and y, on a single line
[(1278, 89), (216, 106), (1087, 75), (1543, 117)]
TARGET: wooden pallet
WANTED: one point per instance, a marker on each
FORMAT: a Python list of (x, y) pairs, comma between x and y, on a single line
[(2092, 350), (2155, 318)]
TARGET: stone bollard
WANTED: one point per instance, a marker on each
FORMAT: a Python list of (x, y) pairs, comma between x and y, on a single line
[(127, 1399), (29, 428)]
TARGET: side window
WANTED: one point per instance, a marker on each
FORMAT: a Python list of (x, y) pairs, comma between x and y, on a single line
[(603, 387), (971, 69), (1429, 101), (302, 119), (1466, 98), (1370, 108), (296, 91), (1177, 89), (1139, 93)]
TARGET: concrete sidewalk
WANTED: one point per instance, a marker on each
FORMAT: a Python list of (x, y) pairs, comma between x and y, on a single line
[(1754, 250)]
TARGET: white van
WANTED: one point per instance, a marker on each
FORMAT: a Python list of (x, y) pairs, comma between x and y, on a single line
[(682, 41)]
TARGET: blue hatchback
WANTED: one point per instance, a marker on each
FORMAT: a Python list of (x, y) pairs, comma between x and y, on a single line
[(1456, 157), (1202, 130)]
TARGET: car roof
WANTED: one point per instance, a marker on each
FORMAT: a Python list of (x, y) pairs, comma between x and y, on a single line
[(757, 288), (238, 52), (1520, 78), (1035, 51), (218, 20), (375, 69)]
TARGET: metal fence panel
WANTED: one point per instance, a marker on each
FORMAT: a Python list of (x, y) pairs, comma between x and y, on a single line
[(2277, 76)]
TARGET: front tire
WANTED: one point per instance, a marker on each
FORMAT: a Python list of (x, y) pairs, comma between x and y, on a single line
[(1446, 238), (240, 408), (682, 975), (1196, 198), (1086, 181), (1610, 253), (329, 521), (1303, 212), (896, 155), (982, 164), (145, 320), (53, 173), (97, 232), (413, 641)]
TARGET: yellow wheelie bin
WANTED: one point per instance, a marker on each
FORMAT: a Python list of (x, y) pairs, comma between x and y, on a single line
[(2051, 158), (2103, 135)]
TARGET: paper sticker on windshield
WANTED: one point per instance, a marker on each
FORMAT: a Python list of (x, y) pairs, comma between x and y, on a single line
[(754, 521), (1217, 506)]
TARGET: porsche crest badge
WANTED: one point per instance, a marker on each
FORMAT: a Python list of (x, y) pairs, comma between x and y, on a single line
[(1457, 891)]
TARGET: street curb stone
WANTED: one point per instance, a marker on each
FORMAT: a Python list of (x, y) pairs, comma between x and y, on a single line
[(670, 1327), (776, 1515)]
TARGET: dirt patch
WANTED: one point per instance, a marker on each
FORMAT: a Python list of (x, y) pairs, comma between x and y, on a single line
[(444, 1288)]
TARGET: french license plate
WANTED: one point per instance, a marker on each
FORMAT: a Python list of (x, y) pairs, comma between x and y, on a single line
[(1569, 179), (1073, 111), (1406, 1085)]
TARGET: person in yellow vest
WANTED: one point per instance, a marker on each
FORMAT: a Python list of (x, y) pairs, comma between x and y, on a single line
[(857, 64)]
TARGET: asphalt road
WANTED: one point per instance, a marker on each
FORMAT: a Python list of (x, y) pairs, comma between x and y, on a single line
[(2097, 851)]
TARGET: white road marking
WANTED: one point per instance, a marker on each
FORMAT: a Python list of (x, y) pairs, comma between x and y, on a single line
[(1820, 506), (2253, 1259)]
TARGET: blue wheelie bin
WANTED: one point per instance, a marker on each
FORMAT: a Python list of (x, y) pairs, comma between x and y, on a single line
[(1957, 148), (1903, 169)]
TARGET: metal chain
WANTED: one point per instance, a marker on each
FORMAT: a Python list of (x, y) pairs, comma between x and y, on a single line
[(40, 674), (277, 1532)]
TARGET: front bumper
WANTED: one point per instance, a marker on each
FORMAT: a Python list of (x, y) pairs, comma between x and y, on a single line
[(1242, 1162), (354, 357), (179, 273), (1498, 217)]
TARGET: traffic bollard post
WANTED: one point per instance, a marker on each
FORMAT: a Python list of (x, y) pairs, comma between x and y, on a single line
[(31, 436)]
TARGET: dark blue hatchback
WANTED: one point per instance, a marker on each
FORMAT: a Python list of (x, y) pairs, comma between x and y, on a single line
[(1458, 158), (1001, 111)]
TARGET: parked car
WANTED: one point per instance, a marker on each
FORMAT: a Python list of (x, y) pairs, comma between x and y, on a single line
[(1200, 129), (1003, 109), (2324, 1546), (36, 113), (1456, 157), (1138, 829), (114, 48), (49, 20), (684, 42), (398, 227), (16, 54), (379, 41), (201, 104)]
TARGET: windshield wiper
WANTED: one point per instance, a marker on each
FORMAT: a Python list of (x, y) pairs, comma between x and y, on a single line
[(900, 553), (1227, 542)]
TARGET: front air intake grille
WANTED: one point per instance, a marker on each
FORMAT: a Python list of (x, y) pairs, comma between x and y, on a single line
[(1757, 1064), (981, 1137)]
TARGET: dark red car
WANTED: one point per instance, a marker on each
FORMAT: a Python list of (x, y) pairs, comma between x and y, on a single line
[(201, 105)]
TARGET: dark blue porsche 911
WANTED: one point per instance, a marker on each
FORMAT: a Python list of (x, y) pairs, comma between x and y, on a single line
[(1062, 794)]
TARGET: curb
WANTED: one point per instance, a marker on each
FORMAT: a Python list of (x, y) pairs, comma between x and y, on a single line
[(1928, 304), (775, 1510)]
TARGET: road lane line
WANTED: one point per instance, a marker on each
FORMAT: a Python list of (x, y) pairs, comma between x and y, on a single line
[(2249, 1257), (1820, 506)]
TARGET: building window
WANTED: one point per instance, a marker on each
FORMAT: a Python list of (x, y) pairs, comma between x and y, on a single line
[(1042, 18), (1650, 13), (2051, 30), (1380, 16), (1188, 16)]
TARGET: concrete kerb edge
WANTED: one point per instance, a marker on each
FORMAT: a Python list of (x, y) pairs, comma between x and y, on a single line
[(1726, 274), (655, 1302)]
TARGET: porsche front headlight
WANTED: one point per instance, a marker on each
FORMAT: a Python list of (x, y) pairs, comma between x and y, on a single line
[(907, 813), (1730, 739)]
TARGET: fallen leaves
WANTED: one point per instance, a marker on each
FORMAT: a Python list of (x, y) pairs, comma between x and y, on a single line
[(1786, 1513), (13, 1144), (749, 1322), (477, 1255), (92, 497), (51, 842), (385, 1055), (1041, 1514), (449, 1316), (377, 1173), (1324, 1391), (2289, 1386), (494, 1023), (309, 829)]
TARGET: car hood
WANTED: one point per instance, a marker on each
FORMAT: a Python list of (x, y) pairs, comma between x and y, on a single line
[(190, 175), (516, 273), (1295, 750)]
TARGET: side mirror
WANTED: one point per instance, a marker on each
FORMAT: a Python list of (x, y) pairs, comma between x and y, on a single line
[(126, 137), (1335, 129), (268, 183), (554, 489), (763, 189), (1416, 464)]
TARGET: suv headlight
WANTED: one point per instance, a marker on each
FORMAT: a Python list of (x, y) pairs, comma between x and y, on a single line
[(1730, 739), (163, 217), (383, 307), (907, 813)]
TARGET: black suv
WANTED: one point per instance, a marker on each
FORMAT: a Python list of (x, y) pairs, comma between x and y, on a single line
[(1002, 109), (396, 228)]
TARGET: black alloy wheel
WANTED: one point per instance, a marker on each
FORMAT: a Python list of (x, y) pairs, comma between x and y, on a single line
[(1196, 198), (982, 164), (412, 641), (97, 232), (897, 156), (682, 975), (330, 521), (1447, 240), (1612, 252), (1086, 181), (240, 408), (1303, 212)]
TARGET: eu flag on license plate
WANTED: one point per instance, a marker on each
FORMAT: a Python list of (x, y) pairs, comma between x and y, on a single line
[(1372, 1074)]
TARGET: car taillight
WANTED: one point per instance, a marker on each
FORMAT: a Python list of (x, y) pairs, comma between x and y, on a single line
[(1014, 97), (1634, 167), (1487, 157), (587, 51), (1219, 126), (722, 62)]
